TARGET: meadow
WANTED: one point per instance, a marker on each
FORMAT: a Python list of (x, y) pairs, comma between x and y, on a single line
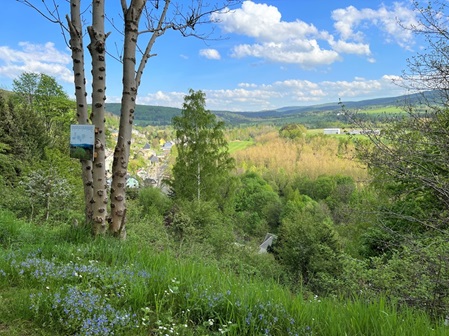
[(383, 110), (58, 280), (239, 145)]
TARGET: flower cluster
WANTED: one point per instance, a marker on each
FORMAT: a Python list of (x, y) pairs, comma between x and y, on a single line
[(49, 271), (77, 298), (90, 298), (84, 312)]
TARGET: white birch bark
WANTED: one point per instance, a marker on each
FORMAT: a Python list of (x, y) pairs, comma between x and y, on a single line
[(76, 46), (131, 82), (97, 48)]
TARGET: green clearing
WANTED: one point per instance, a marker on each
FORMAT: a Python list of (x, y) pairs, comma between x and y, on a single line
[(235, 146), (383, 109)]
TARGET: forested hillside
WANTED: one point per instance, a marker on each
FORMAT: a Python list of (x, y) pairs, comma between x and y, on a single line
[(314, 116)]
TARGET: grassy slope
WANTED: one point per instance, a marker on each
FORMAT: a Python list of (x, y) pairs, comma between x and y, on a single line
[(383, 109), (70, 281)]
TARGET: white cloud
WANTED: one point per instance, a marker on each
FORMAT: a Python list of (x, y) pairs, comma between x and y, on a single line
[(361, 88), (298, 42), (210, 54), (257, 97), (39, 58), (276, 40), (248, 99), (349, 89), (350, 47), (349, 19), (307, 54), (264, 23), (159, 98), (247, 85)]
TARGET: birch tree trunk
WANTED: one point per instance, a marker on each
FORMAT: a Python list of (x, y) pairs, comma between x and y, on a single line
[(131, 82), (121, 153), (76, 46), (97, 50)]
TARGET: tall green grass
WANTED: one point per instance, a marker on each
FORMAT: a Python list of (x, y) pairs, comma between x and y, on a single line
[(60, 281)]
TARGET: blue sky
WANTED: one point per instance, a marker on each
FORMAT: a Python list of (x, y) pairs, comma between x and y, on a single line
[(270, 54)]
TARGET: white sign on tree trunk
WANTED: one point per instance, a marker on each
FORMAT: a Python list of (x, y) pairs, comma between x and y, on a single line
[(82, 141)]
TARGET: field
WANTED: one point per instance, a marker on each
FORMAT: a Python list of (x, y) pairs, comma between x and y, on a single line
[(382, 110), (235, 146)]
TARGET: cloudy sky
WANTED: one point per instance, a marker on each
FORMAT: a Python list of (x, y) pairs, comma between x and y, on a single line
[(262, 54)]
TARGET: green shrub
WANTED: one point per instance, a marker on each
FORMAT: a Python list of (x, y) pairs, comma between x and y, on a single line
[(150, 198), (256, 196), (307, 245), (200, 222)]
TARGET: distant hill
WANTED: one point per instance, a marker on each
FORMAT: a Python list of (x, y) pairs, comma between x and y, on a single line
[(320, 115), (147, 114), (313, 116), (5, 93), (362, 104)]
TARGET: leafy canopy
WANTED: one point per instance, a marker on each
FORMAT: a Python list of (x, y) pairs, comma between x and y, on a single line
[(203, 164)]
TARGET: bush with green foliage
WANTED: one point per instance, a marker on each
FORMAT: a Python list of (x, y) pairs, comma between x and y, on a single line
[(293, 131), (334, 189), (408, 165), (258, 206), (153, 201), (415, 274), (200, 225), (22, 139), (34, 147), (48, 194), (337, 192), (307, 244)]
